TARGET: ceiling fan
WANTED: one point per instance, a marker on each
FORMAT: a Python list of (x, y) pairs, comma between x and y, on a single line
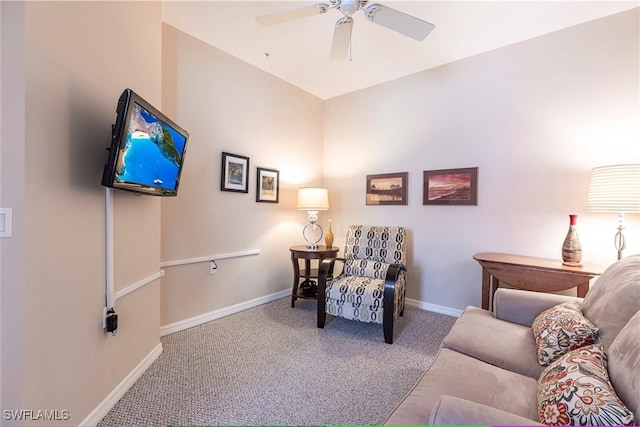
[(393, 19)]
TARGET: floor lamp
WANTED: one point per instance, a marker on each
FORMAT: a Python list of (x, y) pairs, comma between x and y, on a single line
[(615, 188)]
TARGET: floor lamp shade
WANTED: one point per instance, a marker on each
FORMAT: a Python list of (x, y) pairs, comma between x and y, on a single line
[(615, 188)]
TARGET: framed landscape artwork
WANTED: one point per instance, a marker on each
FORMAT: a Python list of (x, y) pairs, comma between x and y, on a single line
[(387, 189), (267, 186), (450, 187), (235, 173)]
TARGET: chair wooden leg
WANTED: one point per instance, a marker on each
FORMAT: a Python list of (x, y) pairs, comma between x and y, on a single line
[(322, 317), (388, 331), (325, 270), (388, 306), (322, 311)]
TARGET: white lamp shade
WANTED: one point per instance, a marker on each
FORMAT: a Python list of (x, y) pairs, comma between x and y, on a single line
[(615, 188), (313, 199)]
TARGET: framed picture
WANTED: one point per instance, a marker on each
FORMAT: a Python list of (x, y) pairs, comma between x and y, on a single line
[(450, 187), (267, 185), (235, 173), (387, 189)]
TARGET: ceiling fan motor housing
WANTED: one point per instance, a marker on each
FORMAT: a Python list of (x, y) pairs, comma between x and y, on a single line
[(348, 7)]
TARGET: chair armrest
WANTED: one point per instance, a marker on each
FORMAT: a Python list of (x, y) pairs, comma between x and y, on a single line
[(325, 269), (389, 313), (393, 273), (455, 411), (522, 307)]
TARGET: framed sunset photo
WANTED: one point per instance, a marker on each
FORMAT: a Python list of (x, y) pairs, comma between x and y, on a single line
[(450, 187), (387, 189)]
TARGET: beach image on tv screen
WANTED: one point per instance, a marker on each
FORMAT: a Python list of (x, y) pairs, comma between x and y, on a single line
[(152, 152)]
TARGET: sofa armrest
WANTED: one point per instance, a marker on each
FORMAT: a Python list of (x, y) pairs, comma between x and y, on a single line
[(455, 411), (522, 307)]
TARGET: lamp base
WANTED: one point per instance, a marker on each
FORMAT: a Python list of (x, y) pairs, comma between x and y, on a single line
[(312, 233), (620, 243), (618, 240)]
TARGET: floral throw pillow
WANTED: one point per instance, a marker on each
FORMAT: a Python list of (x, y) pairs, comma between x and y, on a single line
[(576, 390), (560, 329)]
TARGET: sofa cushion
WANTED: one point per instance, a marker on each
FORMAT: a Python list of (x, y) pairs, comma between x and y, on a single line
[(575, 390), (624, 364), (356, 290), (461, 412), (507, 345), (458, 375), (560, 329), (614, 298), (522, 307)]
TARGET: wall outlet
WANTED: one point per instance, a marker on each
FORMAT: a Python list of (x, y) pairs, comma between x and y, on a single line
[(213, 268)]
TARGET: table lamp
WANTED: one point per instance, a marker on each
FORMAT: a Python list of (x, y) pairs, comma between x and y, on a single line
[(312, 200), (615, 188)]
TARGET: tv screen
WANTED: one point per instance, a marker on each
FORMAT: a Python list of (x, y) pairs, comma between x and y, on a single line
[(147, 149)]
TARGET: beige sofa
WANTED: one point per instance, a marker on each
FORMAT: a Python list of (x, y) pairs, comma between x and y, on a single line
[(487, 371)]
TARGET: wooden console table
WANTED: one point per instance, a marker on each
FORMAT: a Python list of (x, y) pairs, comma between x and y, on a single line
[(532, 274)]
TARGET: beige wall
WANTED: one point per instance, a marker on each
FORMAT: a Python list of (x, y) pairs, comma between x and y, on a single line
[(228, 105), (79, 56), (12, 187), (535, 117)]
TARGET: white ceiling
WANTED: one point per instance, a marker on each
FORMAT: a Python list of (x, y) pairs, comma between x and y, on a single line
[(298, 51)]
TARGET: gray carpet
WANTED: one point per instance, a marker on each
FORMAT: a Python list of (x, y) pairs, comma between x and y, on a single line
[(270, 365)]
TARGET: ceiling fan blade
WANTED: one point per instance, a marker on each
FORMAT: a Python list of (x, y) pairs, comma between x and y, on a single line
[(341, 39), (398, 21), (292, 15)]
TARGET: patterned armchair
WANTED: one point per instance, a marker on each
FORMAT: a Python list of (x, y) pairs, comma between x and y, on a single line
[(371, 287)]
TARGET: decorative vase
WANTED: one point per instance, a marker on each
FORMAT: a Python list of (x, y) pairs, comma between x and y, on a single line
[(571, 249), (328, 236)]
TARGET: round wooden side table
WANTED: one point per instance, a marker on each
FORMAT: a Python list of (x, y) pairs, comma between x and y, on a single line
[(308, 271)]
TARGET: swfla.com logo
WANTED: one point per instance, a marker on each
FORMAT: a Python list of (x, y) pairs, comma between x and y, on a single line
[(36, 414)]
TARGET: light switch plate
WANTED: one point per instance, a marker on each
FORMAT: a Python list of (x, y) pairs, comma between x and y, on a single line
[(5, 222)]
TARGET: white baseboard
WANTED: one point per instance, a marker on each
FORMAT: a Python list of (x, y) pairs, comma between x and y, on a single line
[(434, 307), (109, 402), (217, 314)]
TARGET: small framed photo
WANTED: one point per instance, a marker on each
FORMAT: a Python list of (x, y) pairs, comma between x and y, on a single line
[(235, 173), (267, 185), (450, 187), (387, 189)]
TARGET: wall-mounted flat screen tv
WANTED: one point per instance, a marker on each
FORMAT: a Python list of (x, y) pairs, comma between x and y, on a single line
[(147, 149)]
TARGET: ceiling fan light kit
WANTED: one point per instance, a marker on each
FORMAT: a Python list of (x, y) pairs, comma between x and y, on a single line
[(392, 19)]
